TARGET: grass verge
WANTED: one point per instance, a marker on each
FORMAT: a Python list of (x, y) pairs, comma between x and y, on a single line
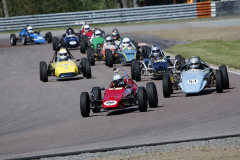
[(216, 52)]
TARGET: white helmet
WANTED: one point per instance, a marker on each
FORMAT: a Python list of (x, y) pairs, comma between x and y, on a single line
[(63, 54), (98, 33), (118, 80), (86, 28), (126, 42), (156, 51), (109, 40), (194, 62), (30, 29)]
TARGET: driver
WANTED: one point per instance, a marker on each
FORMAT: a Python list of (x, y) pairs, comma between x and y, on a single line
[(69, 31), (118, 81), (63, 55), (196, 63), (29, 29), (86, 28), (156, 52)]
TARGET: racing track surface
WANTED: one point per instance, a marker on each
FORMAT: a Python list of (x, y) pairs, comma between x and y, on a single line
[(44, 118)]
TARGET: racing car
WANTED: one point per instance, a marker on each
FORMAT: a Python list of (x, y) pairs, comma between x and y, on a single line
[(28, 36), (70, 39), (119, 97), (193, 80), (64, 69)]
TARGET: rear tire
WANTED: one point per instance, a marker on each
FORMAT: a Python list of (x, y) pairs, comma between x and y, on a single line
[(82, 66), (13, 39), (98, 95), (223, 68), (48, 37), (85, 104), (133, 64), (91, 57), (55, 43), (24, 39), (142, 99), (83, 45), (219, 81), (152, 94), (88, 70), (166, 85)]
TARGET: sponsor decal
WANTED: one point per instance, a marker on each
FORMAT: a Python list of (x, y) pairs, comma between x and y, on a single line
[(119, 88), (110, 103), (192, 81)]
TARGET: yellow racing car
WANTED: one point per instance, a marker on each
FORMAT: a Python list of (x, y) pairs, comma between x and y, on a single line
[(63, 65)]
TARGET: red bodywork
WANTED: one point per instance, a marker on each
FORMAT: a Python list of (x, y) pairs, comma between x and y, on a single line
[(120, 97), (89, 34)]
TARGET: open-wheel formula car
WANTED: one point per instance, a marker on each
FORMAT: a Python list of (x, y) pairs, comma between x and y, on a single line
[(119, 97), (193, 77), (27, 35), (64, 68)]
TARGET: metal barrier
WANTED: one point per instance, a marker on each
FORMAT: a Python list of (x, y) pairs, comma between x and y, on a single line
[(162, 12)]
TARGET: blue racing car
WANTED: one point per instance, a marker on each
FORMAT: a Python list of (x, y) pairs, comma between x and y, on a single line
[(27, 35), (194, 76)]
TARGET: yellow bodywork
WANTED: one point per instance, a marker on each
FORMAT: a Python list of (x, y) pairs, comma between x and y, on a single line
[(65, 67)]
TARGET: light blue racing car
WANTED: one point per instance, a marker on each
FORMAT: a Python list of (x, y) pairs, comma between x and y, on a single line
[(193, 77), (28, 36)]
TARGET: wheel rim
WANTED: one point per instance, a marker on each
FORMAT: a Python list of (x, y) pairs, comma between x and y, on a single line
[(11, 40)]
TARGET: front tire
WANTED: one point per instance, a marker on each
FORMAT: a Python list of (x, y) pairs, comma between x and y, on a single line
[(87, 68), (109, 57), (91, 57), (43, 72), (85, 104), (133, 64), (24, 39), (142, 99), (48, 37), (137, 72), (166, 85), (152, 94)]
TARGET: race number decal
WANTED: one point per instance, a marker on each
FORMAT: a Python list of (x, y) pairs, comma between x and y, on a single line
[(110, 103), (192, 81)]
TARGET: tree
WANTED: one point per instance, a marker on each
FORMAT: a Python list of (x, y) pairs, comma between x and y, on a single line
[(5, 8)]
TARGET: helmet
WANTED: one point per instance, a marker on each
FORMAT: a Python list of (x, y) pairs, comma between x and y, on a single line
[(63, 54), (98, 33), (109, 40), (30, 29), (86, 28), (126, 42), (115, 35), (69, 31), (156, 51), (118, 80), (194, 62)]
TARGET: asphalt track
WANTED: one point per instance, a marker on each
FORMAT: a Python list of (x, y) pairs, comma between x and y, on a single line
[(43, 118)]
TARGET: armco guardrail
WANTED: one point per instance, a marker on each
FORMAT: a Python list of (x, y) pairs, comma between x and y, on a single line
[(163, 12)]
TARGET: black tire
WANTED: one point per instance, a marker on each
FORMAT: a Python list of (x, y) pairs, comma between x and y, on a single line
[(82, 66), (223, 68), (108, 52), (166, 86), (219, 81), (133, 64), (98, 95), (182, 63), (85, 104), (90, 56), (48, 37), (137, 72), (87, 68), (142, 99), (55, 43), (24, 39), (83, 44), (106, 57), (43, 72), (40, 70), (178, 58), (152, 94), (13, 39)]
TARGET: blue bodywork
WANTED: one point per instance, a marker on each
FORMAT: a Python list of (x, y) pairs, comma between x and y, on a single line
[(156, 66), (31, 37), (127, 55), (71, 41), (193, 81)]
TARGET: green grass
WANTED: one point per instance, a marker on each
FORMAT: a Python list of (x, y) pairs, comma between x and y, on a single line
[(211, 51)]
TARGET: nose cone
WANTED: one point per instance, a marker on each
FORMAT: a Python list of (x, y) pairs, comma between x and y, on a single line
[(192, 82), (112, 97)]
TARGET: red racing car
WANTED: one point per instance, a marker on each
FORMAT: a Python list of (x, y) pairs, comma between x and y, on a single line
[(119, 97)]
